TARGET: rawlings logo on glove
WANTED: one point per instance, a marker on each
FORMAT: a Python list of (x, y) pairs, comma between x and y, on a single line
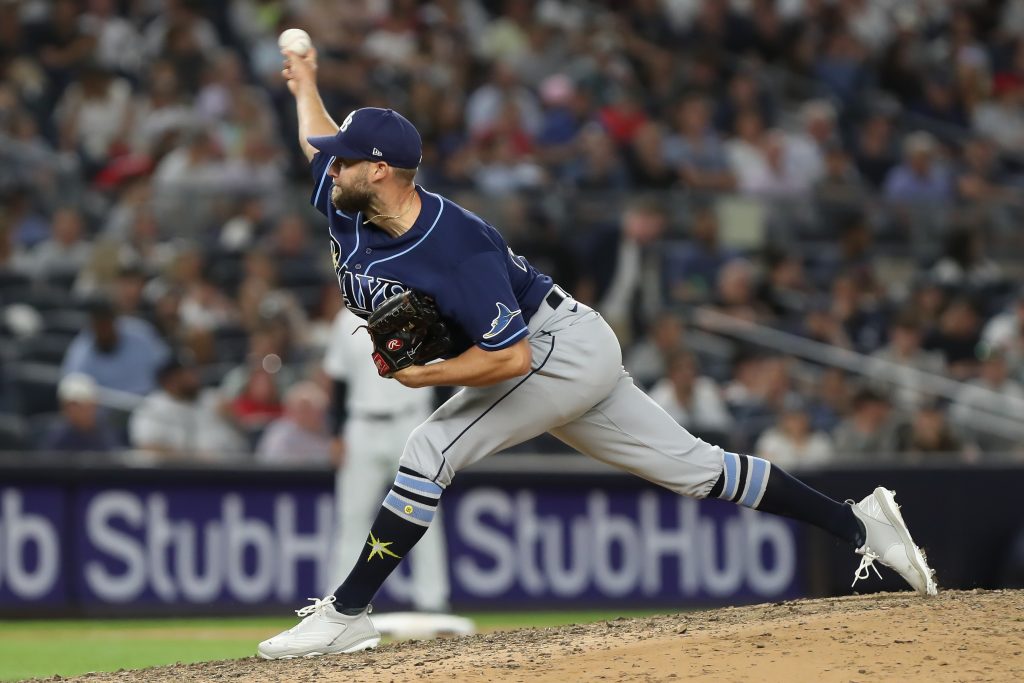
[(407, 329)]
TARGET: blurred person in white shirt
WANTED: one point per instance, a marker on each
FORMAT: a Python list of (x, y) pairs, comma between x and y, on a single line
[(179, 421), (300, 436), (791, 443), (693, 401)]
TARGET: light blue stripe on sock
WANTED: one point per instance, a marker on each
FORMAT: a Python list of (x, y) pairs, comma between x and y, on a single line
[(420, 485), (408, 508), (756, 479), (732, 465)]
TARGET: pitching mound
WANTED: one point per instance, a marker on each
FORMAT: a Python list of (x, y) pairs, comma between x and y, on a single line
[(958, 636)]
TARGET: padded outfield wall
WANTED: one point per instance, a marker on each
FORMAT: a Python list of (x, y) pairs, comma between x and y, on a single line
[(94, 540)]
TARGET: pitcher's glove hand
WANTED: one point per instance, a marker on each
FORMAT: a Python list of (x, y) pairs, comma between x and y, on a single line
[(407, 330)]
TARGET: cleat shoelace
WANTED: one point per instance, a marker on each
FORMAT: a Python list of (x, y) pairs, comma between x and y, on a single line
[(867, 562), (319, 604)]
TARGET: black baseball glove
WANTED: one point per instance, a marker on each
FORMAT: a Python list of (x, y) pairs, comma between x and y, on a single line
[(407, 330)]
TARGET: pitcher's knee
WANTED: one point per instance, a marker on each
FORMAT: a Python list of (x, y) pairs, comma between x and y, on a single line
[(423, 454)]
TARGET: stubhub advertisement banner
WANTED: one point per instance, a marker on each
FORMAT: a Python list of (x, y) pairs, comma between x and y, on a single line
[(140, 549)]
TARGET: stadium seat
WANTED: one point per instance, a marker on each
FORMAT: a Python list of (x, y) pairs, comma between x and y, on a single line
[(13, 433)]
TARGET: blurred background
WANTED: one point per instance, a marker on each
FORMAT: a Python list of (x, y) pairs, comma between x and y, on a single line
[(802, 217)]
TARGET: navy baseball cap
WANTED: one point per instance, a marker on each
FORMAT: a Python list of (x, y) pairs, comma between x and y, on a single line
[(374, 134)]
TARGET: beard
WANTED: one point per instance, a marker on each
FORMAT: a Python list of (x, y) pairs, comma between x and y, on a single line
[(351, 199)]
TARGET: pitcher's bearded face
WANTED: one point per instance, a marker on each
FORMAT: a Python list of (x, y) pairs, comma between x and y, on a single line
[(353, 196)]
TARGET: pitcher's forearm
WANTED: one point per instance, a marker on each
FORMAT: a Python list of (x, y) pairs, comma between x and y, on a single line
[(313, 118)]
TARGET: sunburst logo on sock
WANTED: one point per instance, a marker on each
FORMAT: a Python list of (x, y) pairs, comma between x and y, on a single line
[(408, 509), (379, 548)]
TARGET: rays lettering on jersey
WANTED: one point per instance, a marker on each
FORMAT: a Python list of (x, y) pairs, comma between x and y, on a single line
[(363, 293)]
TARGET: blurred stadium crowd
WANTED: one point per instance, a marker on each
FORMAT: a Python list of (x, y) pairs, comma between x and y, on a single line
[(802, 216)]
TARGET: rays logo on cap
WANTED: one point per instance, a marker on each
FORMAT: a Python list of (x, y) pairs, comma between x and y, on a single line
[(498, 325)]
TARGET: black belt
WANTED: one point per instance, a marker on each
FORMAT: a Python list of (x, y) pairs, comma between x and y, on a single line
[(555, 297)]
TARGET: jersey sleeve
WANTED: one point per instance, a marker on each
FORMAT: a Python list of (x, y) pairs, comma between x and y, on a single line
[(322, 183), (489, 313)]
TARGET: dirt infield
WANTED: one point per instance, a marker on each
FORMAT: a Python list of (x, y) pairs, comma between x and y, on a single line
[(958, 636)]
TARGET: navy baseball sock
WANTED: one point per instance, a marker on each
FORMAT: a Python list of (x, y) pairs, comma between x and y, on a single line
[(756, 483), (403, 519)]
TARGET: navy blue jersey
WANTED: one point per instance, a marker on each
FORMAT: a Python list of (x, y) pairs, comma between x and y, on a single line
[(485, 292)]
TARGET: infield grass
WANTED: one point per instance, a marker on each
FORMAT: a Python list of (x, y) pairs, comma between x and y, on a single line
[(40, 648)]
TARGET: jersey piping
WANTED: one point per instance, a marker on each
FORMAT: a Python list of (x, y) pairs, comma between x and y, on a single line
[(358, 220), (507, 341), (320, 187), (417, 243)]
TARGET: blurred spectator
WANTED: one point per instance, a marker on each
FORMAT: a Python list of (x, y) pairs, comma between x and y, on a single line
[(1001, 119), (596, 167), (791, 443), (930, 433), (65, 252), (744, 95), (756, 395), (852, 255), (180, 22), (842, 68), (745, 151), (204, 307), (806, 149), (691, 270), (118, 42), (290, 245), (300, 437), (965, 264), (261, 298), (181, 422), (735, 290), (161, 110), (647, 358), (898, 363), (785, 291), (81, 426), (259, 401), (840, 186), (94, 113), (63, 46), (485, 104), (991, 408), (940, 105), (266, 358), (831, 401), (921, 178), (696, 150), (692, 400), (628, 284), (646, 158), (822, 325), (870, 433), (860, 313), (119, 352), (957, 337), (875, 149), (1005, 331), (982, 176)]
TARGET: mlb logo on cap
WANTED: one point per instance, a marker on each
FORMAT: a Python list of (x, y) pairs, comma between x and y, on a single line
[(374, 134)]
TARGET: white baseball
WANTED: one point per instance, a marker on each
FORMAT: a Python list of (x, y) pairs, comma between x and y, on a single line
[(295, 40)]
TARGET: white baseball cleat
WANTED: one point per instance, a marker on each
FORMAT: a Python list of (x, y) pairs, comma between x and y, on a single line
[(324, 631), (888, 541)]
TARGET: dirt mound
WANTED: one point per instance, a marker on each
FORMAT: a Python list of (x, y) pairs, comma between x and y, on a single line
[(958, 636)]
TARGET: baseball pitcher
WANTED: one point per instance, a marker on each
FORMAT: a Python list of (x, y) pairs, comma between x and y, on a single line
[(433, 279)]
